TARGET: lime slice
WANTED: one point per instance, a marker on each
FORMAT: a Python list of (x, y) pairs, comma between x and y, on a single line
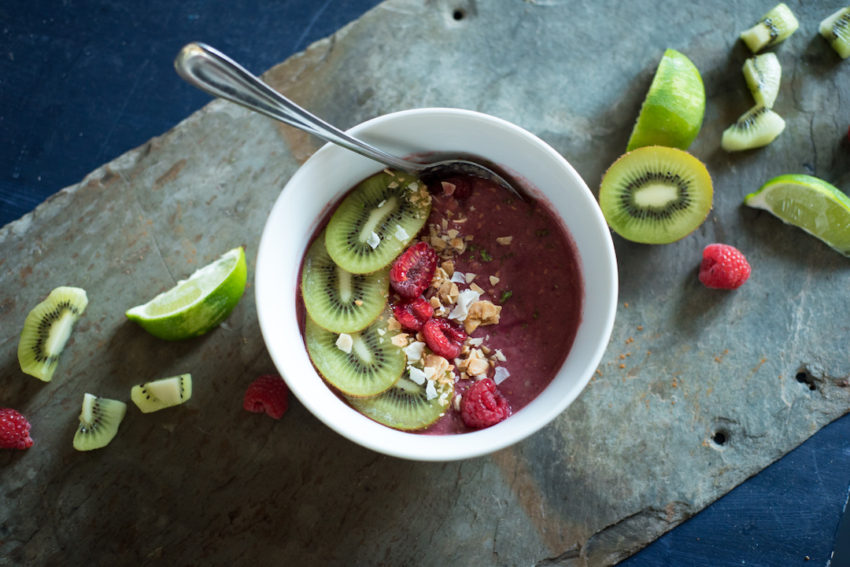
[(673, 109), (197, 304), (808, 203)]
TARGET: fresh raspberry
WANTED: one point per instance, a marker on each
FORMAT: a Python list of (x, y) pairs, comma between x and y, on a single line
[(414, 313), (723, 267), (269, 394), (14, 430), (483, 405), (443, 337), (411, 272)]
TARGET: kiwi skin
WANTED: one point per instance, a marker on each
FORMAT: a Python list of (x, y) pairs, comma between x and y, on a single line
[(405, 405), (47, 329), (99, 421), (655, 195)]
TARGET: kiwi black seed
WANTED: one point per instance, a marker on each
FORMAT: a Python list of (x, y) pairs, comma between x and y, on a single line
[(836, 30), (362, 363), (99, 420), (162, 393), (407, 405), (336, 299), (46, 330), (655, 195), (376, 221), (757, 127)]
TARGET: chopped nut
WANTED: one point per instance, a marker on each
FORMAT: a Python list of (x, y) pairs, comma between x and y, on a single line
[(448, 293), (477, 288), (435, 302), (469, 277), (448, 267), (448, 188), (458, 244), (358, 302), (400, 340), (393, 324), (494, 280), (452, 233), (505, 240), (438, 243), (481, 313)]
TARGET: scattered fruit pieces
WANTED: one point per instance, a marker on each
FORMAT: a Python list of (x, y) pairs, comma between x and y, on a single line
[(763, 74), (483, 405), (163, 393), (413, 314), (408, 405), (411, 273), (655, 195), (672, 112), (836, 30), (809, 203), (774, 27), (99, 421), (47, 329), (444, 337), (723, 267), (268, 393), (14, 430), (197, 304), (756, 128)]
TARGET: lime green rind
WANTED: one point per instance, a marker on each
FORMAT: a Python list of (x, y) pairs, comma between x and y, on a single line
[(809, 203), (205, 313), (674, 107)]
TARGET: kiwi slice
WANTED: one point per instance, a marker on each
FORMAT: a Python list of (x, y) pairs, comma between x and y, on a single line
[(757, 127), (655, 194), (836, 30), (363, 363), (774, 27), (762, 74), (376, 221), (46, 330), (407, 405), (99, 420), (336, 299), (163, 393)]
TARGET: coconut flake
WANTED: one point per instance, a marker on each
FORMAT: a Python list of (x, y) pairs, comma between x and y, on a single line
[(373, 240), (401, 234), (344, 342), (414, 351), (477, 341), (458, 277), (416, 375), (430, 390), (500, 374), (466, 298)]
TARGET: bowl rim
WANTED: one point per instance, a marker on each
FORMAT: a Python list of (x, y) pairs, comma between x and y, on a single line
[(410, 445)]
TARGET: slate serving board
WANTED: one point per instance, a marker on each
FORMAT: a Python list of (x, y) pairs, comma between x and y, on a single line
[(698, 389)]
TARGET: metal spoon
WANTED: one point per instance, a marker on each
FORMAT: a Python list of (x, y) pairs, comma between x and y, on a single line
[(217, 74)]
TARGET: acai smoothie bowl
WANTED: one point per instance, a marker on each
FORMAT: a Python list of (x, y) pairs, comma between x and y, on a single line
[(442, 320)]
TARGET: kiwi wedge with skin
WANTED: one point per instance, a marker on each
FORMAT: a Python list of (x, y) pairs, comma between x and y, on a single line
[(99, 421), (335, 298), (376, 221), (835, 28), (407, 406), (756, 128), (360, 364), (763, 73), (774, 27), (655, 195), (162, 393), (47, 329)]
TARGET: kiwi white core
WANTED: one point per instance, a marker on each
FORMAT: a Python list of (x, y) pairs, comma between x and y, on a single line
[(655, 196), (376, 218)]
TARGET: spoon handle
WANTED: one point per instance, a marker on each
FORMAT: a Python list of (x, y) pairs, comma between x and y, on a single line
[(217, 74)]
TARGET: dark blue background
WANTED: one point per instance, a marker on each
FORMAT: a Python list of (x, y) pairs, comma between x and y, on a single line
[(83, 82)]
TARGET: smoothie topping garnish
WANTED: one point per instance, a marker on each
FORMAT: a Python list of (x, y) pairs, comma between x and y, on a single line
[(482, 313), (412, 272), (505, 240), (344, 343)]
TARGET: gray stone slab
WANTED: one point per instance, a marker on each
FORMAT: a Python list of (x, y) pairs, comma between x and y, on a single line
[(634, 456)]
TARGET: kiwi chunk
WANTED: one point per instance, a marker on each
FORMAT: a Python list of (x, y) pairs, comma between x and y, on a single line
[(163, 393), (655, 195), (762, 74), (407, 405), (335, 298), (836, 30), (363, 363), (773, 28), (46, 330), (757, 127), (99, 420), (376, 221)]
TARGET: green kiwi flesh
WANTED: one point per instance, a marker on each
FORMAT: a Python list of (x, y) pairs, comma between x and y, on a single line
[(757, 127), (47, 329), (655, 195), (162, 393), (99, 420), (836, 30), (406, 405), (763, 73), (336, 299), (362, 363), (376, 221), (773, 28)]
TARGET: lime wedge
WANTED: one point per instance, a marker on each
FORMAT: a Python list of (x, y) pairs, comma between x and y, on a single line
[(197, 304), (673, 109), (808, 203)]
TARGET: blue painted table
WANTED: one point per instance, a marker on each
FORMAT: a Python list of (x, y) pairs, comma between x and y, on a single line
[(81, 83)]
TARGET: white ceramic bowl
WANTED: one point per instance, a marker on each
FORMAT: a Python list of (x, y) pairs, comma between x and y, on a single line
[(331, 171)]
